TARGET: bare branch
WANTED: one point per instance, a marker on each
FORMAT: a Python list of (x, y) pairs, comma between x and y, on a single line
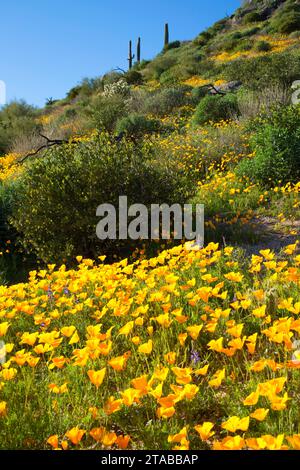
[(212, 87), (49, 143), (118, 69)]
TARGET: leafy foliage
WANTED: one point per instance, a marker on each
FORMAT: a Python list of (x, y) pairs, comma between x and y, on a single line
[(258, 72), (57, 198), (172, 45), (105, 111), (215, 108), (16, 118), (287, 18), (133, 77), (165, 101), (137, 125), (252, 17), (276, 144)]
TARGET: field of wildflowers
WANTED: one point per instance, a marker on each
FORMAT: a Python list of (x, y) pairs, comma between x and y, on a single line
[(277, 44), (192, 349), (196, 348)]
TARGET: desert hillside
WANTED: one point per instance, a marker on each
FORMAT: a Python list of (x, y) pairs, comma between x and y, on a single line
[(158, 344)]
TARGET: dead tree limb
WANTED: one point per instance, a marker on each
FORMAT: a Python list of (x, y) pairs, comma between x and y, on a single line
[(49, 143), (118, 69), (212, 87)]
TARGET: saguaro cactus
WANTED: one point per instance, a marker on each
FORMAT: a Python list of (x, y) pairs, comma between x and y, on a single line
[(138, 51), (166, 34), (130, 55)]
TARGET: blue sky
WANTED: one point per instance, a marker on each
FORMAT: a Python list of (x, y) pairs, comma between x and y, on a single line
[(48, 46)]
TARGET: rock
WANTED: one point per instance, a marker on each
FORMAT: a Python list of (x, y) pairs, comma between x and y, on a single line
[(229, 86)]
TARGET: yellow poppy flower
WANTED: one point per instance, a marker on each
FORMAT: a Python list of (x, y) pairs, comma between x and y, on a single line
[(146, 348), (205, 430), (260, 414), (97, 377)]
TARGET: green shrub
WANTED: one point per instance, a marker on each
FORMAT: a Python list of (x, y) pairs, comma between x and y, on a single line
[(208, 68), (68, 114), (256, 73), (295, 34), (217, 27), (203, 38), (112, 77), (161, 63), (287, 23), (287, 19), (165, 101), (172, 76), (276, 144), (190, 58), (263, 46), (245, 45), (143, 64), (172, 45), (84, 89), (188, 61), (252, 17), (104, 112), (73, 93), (227, 45), (57, 196), (250, 32), (137, 125), (6, 231), (215, 108), (133, 77), (237, 35), (14, 265), (246, 33), (16, 118), (193, 65), (198, 93)]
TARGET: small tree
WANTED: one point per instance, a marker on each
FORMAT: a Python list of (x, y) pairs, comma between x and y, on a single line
[(57, 197), (215, 108), (276, 144)]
